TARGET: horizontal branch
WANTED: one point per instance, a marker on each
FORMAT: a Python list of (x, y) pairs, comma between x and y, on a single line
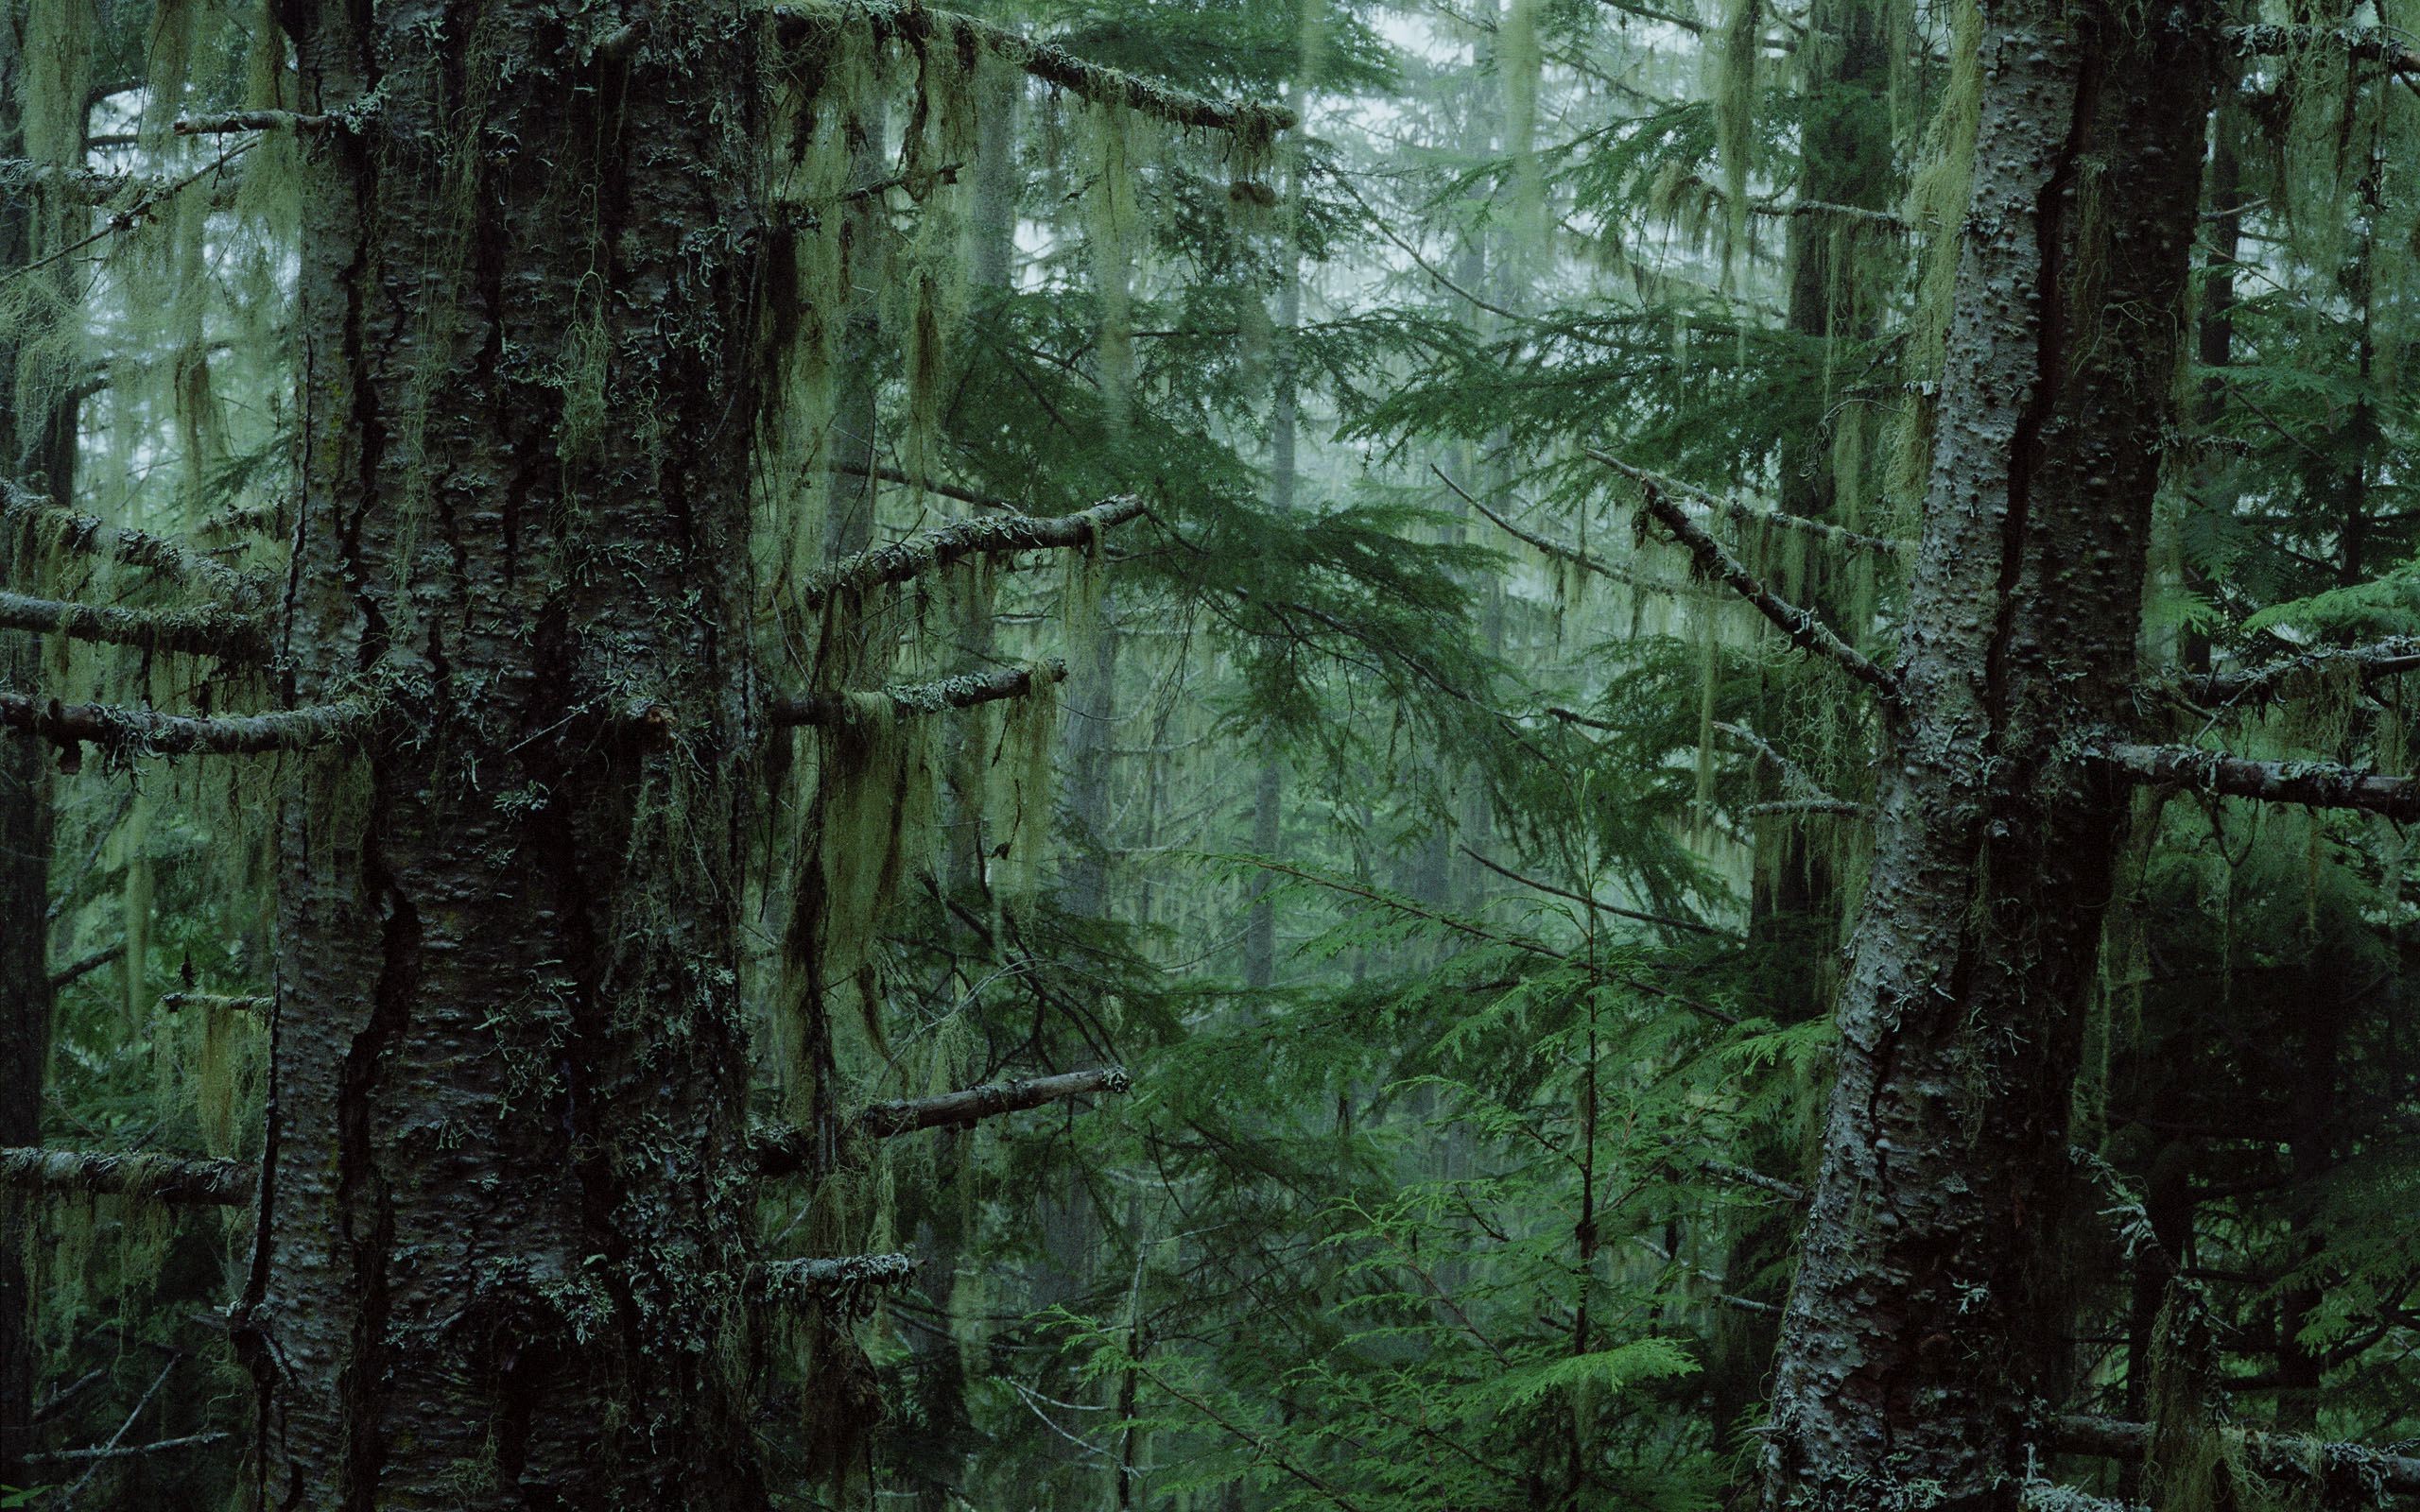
[(1743, 1176), (2276, 1455), (1800, 626), (904, 560), (86, 967), (887, 1120), (1252, 123), (849, 1279), (122, 733), (237, 121), (2314, 785), (160, 1177), (1754, 514), (1573, 554), (962, 692), (158, 1446), (2371, 43), (2384, 659), (227, 634), (946, 490), (88, 535), (1807, 805), (178, 1001)]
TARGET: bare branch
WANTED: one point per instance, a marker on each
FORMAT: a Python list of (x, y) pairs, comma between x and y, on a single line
[(160, 1177), (887, 1120), (1594, 904), (2314, 785), (2384, 659), (86, 967), (962, 692), (1750, 514), (227, 634), (2276, 1455), (160, 1446), (20, 508), (1809, 805), (1557, 549), (904, 560), (1787, 1191), (1252, 123), (237, 121), (1805, 630), (946, 490), (848, 1280), (178, 1001), (125, 732)]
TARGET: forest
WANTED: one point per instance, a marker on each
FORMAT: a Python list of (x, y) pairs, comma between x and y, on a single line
[(1209, 755)]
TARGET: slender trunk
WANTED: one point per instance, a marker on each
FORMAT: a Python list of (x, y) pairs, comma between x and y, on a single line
[(506, 1217), (1922, 1324), (1269, 785)]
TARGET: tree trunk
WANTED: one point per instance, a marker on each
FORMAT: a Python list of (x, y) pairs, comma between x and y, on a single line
[(1924, 1324), (506, 1221), (1269, 783)]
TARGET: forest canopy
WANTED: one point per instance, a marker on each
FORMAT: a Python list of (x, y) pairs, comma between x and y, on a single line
[(1218, 755)]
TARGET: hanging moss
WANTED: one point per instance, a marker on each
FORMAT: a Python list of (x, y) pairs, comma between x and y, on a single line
[(1936, 208), (1734, 87)]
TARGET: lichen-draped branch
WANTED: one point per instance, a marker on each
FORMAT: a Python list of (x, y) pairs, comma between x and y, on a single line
[(2382, 659), (962, 692), (2373, 44), (2283, 1456), (847, 1282), (88, 535), (122, 732), (178, 1001), (1753, 514), (1805, 629), (2314, 785), (1254, 124), (236, 121), (103, 1452), (159, 1177), (227, 634), (999, 534)]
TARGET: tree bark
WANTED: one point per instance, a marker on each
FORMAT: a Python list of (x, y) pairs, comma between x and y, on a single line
[(1923, 1325), (507, 1217)]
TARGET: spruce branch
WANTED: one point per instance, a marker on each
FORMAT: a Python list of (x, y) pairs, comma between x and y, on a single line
[(1751, 514), (946, 490), (1573, 554), (1805, 630), (2313, 784), (2370, 43), (129, 216), (88, 535), (2382, 659), (234, 122), (77, 970), (1254, 124), (122, 733), (899, 562), (2279, 1456), (178, 1001), (104, 1452), (159, 1177), (227, 634), (964, 691), (850, 1281), (783, 1149)]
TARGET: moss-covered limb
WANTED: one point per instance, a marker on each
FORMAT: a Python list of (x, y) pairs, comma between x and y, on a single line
[(1750, 514), (2384, 659), (1742, 1175), (160, 1177), (961, 692), (227, 634), (123, 731), (21, 509), (158, 1446), (885, 1120), (1805, 629), (848, 1280), (1810, 805), (1255, 124), (2314, 785), (178, 1001), (970, 538), (2369, 43), (1558, 550), (236, 121), (93, 186), (2279, 1456)]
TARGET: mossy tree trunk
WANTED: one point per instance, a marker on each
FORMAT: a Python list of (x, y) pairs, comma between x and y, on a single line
[(507, 1223), (1923, 1326)]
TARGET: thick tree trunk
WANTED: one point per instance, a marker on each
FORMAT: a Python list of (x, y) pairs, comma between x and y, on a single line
[(507, 1216), (1924, 1327)]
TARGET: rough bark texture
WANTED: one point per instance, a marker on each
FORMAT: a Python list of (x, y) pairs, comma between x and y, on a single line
[(1922, 1328), (507, 1215)]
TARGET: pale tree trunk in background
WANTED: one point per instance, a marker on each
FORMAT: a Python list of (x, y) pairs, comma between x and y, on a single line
[(33, 448), (506, 1218), (1923, 1326), (855, 413), (1269, 785)]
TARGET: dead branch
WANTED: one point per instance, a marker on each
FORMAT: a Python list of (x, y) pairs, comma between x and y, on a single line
[(1787, 1191), (2313, 784), (226, 634), (2276, 1455), (178, 1001), (962, 692), (123, 733), (2383, 658), (88, 535), (946, 490), (1805, 630), (887, 1120), (79, 969), (849, 1281), (888, 21), (1573, 554), (159, 1177), (238, 121), (160, 1445), (1750, 514), (906, 559)]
